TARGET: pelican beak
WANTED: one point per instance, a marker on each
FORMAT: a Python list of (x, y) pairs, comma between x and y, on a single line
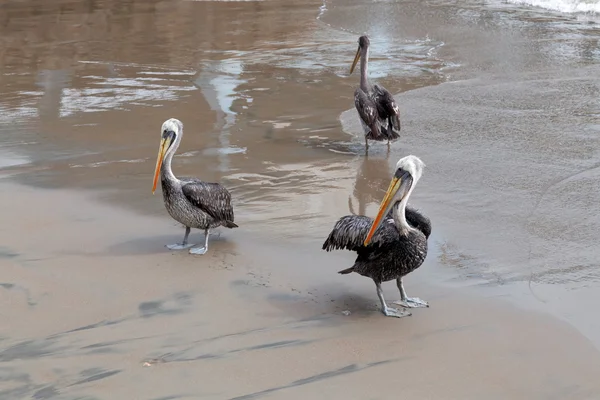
[(399, 186), (165, 143), (356, 58)]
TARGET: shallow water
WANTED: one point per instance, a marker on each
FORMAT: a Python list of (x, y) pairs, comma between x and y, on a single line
[(499, 100)]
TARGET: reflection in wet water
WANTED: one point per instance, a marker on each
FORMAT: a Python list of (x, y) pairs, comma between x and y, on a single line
[(372, 180), (218, 81), (145, 89), (52, 83), (250, 95), (8, 159), (260, 94)]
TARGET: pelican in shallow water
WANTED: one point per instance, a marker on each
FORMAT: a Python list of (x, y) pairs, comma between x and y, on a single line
[(377, 109), (392, 245), (195, 204)]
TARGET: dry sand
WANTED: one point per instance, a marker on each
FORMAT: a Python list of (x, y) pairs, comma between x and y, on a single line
[(104, 313)]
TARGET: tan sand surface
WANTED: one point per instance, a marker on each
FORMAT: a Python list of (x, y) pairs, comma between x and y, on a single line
[(98, 308)]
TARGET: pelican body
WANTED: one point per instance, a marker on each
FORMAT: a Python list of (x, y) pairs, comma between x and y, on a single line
[(189, 201), (394, 243), (376, 107)]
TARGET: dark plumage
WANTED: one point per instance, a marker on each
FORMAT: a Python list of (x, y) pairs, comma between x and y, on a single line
[(389, 255), (213, 199), (384, 123), (198, 204), (397, 247), (388, 110), (367, 110)]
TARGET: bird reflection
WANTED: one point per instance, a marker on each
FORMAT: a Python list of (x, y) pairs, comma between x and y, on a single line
[(372, 179)]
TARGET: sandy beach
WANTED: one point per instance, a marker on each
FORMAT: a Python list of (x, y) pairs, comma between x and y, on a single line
[(99, 313), (499, 100)]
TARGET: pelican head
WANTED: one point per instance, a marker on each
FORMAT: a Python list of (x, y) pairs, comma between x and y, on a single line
[(170, 136), (408, 172), (363, 46)]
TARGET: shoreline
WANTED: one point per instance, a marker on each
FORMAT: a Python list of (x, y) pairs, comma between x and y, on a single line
[(507, 245), (95, 307), (111, 311)]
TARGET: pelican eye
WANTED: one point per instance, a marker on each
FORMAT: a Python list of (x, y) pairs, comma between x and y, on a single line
[(167, 133)]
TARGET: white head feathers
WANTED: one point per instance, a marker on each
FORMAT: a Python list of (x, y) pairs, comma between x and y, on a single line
[(413, 165), (172, 124)]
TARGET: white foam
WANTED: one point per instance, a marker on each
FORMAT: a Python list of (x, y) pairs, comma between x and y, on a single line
[(567, 6), (112, 93)]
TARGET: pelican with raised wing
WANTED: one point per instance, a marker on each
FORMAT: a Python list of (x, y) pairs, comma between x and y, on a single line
[(394, 243), (190, 201)]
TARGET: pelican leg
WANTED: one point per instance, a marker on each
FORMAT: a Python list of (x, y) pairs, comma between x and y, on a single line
[(408, 302), (366, 144), (184, 244), (350, 206), (202, 250), (388, 311)]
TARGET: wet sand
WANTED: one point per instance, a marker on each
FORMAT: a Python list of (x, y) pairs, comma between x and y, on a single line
[(102, 313), (499, 101)]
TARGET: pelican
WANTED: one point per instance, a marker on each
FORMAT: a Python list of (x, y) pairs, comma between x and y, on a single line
[(377, 109), (392, 245), (193, 203)]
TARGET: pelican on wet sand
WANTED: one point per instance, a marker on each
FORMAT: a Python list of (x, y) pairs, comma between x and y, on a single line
[(377, 109), (190, 201), (394, 243)]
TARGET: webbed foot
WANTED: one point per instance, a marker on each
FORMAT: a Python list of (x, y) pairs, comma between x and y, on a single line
[(412, 302), (392, 312), (179, 246), (198, 250)]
